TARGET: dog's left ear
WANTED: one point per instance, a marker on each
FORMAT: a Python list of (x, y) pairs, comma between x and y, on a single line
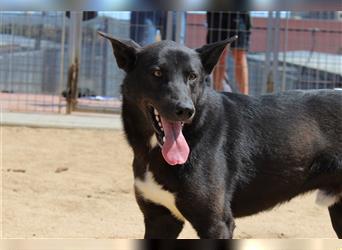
[(125, 51), (210, 53)]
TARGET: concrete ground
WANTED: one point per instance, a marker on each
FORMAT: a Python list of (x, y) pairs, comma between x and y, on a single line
[(76, 120)]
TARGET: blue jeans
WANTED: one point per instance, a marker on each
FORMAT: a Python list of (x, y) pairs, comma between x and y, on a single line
[(144, 25)]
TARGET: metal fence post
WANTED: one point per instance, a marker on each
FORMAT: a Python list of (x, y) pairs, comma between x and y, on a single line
[(267, 83), (104, 61), (74, 48), (169, 25), (61, 73), (275, 61), (284, 64), (180, 27)]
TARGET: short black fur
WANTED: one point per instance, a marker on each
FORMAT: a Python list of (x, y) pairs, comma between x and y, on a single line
[(246, 154)]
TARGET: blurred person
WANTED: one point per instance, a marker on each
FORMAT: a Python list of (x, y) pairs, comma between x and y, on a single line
[(150, 26), (145, 24), (223, 25)]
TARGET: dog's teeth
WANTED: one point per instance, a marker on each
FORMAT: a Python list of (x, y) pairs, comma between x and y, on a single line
[(157, 118), (161, 128), (164, 139), (156, 112), (159, 124)]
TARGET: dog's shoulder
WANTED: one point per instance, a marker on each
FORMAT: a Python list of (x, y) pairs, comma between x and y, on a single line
[(238, 100)]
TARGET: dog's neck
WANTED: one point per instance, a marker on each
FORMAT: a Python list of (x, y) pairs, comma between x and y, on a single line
[(204, 107)]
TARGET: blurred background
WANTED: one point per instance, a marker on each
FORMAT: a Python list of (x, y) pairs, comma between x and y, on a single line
[(54, 61)]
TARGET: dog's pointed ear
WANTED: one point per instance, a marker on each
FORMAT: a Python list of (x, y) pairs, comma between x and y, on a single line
[(125, 51), (210, 53)]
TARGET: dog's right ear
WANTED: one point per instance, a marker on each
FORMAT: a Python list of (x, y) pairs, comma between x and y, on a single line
[(125, 51), (210, 53)]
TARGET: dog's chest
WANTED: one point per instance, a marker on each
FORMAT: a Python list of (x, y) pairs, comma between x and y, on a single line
[(154, 192)]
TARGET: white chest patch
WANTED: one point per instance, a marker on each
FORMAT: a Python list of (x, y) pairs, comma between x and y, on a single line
[(326, 200), (155, 193)]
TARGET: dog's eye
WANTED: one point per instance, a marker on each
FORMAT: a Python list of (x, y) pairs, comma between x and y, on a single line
[(157, 73), (192, 76)]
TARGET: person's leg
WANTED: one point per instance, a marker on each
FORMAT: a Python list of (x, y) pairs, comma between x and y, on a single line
[(217, 31), (241, 69)]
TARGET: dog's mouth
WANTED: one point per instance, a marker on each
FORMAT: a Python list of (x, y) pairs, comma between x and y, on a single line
[(157, 125), (175, 149)]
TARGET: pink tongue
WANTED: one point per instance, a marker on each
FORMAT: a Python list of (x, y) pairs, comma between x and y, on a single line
[(175, 148)]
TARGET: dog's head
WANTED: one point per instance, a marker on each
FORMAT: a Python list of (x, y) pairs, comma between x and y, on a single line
[(165, 80)]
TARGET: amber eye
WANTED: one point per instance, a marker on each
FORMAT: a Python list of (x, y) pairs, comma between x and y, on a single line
[(192, 76), (157, 73)]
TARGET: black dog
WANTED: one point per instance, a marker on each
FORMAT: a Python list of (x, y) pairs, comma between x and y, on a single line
[(208, 157)]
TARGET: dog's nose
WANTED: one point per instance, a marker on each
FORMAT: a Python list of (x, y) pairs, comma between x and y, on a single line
[(184, 112)]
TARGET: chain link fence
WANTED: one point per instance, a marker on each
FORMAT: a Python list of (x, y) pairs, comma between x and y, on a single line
[(30, 61), (286, 50)]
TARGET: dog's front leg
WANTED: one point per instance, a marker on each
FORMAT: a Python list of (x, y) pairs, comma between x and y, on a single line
[(216, 229), (159, 222), (209, 221), (210, 216), (336, 218)]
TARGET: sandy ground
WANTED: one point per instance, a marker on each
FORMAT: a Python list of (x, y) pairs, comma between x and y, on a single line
[(91, 194)]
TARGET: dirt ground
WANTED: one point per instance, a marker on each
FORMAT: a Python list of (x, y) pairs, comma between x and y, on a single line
[(73, 183)]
